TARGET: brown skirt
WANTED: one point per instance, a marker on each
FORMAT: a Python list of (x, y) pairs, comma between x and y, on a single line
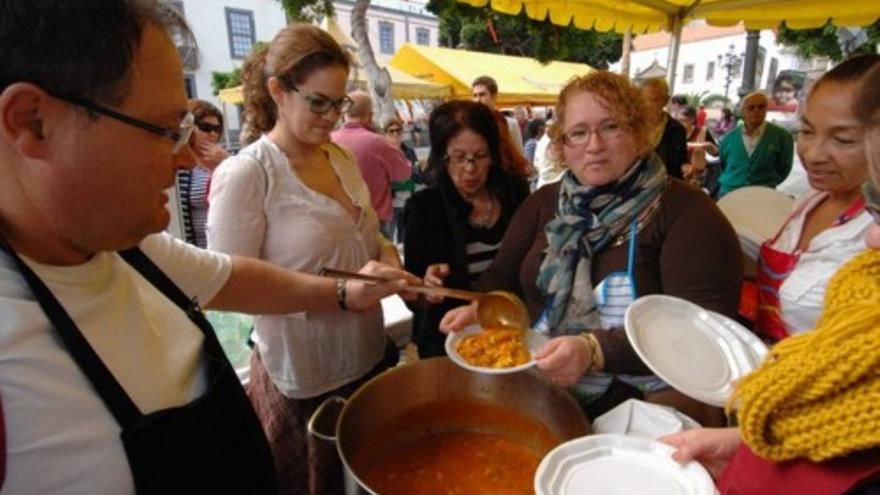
[(305, 465)]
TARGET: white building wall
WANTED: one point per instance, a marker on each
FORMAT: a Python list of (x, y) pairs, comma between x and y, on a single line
[(701, 53), (406, 17), (208, 21)]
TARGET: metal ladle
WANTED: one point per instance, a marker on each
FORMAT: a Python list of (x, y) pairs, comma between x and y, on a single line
[(495, 309)]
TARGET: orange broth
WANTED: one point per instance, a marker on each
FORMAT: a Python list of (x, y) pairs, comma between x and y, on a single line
[(454, 447), (454, 463)]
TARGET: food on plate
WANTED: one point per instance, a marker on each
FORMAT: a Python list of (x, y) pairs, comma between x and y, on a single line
[(495, 348)]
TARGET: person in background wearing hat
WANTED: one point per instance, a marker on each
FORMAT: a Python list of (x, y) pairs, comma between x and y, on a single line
[(113, 382), (808, 417)]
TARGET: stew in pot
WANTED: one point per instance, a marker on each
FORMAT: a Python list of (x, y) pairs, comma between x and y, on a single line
[(455, 448)]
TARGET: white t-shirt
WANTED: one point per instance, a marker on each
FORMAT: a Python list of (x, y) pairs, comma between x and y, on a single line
[(61, 437), (802, 293), (261, 209)]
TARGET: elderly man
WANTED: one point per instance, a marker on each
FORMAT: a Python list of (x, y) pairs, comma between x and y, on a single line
[(112, 380), (484, 90), (668, 135), (381, 163), (756, 153)]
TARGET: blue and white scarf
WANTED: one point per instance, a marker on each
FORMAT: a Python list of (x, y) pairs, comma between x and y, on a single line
[(589, 218)]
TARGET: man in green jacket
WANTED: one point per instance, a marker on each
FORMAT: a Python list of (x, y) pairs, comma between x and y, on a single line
[(756, 153)]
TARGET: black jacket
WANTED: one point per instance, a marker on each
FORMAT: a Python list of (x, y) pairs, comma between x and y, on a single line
[(672, 148), (436, 224)]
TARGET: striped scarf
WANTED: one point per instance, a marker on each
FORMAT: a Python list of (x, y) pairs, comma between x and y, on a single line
[(588, 219)]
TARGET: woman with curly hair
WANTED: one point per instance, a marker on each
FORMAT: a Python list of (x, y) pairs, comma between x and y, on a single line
[(615, 227)]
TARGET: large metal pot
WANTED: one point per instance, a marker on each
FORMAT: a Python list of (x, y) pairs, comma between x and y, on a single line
[(383, 407)]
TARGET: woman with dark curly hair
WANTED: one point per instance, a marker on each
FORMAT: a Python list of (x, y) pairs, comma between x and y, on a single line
[(453, 228), (615, 227)]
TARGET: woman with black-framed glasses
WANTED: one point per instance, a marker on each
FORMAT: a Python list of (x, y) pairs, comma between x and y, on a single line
[(293, 198), (193, 184)]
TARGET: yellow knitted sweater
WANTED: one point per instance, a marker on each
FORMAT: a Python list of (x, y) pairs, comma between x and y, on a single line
[(817, 395)]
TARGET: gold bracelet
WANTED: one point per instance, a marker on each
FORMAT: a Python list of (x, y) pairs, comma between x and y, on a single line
[(594, 351)]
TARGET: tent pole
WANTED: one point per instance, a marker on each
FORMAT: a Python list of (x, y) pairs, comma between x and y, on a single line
[(625, 54), (674, 45)]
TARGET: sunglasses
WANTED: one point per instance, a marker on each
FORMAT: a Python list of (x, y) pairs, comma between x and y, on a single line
[(209, 128)]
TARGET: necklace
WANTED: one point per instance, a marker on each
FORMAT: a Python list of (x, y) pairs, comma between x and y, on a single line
[(484, 220)]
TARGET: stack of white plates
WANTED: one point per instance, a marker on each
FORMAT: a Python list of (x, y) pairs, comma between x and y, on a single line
[(756, 213), (617, 464), (698, 352)]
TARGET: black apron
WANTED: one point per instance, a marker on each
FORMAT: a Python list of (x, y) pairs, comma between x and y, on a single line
[(215, 444)]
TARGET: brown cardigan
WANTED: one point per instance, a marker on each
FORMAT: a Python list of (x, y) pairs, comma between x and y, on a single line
[(688, 250)]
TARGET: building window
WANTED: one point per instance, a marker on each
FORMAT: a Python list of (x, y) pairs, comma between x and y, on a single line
[(189, 82), (423, 36), (240, 27), (737, 69), (710, 71), (386, 38), (688, 76)]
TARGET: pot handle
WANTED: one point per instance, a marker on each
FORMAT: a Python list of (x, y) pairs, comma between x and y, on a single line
[(319, 412)]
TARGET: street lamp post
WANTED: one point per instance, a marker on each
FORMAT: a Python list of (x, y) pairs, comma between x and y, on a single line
[(729, 62)]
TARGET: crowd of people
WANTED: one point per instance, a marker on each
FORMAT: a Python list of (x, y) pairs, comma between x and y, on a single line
[(111, 375)]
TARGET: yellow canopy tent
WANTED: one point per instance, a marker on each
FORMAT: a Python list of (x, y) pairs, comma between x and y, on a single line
[(520, 79), (403, 85), (642, 16)]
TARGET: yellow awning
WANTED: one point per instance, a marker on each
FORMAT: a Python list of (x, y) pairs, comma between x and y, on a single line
[(520, 79), (643, 16)]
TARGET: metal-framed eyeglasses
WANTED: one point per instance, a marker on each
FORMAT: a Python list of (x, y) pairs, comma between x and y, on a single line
[(319, 104), (872, 200), (581, 135), (461, 160), (179, 137)]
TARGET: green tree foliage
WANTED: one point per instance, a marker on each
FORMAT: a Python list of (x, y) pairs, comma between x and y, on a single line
[(307, 10), (223, 80), (463, 26), (823, 41)]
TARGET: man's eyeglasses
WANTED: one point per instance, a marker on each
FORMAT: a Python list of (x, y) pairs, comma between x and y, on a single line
[(394, 130), (321, 104), (209, 128), (461, 160), (179, 136), (872, 200), (579, 137)]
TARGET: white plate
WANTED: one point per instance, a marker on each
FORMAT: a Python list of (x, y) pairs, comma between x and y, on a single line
[(756, 213), (617, 464), (698, 352), (534, 342)]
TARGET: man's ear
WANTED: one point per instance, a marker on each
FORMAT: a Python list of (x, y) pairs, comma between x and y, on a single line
[(23, 109)]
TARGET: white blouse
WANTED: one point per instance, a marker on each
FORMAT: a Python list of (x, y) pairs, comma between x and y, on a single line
[(260, 208), (803, 292)]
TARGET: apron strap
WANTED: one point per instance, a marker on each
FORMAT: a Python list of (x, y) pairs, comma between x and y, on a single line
[(631, 257), (111, 392)]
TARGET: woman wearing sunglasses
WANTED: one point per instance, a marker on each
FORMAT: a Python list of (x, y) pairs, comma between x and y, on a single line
[(295, 199), (808, 417), (192, 184)]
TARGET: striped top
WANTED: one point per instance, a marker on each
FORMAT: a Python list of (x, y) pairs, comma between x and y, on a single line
[(193, 191), (481, 246)]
